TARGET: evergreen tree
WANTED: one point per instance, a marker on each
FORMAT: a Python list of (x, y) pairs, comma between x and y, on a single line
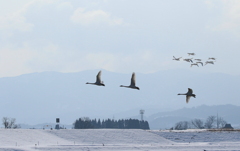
[(136, 124), (103, 124), (131, 124), (99, 125), (146, 125), (84, 123), (108, 123), (121, 124), (94, 123), (114, 124), (126, 124)]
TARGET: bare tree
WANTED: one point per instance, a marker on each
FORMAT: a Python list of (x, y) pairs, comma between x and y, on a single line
[(183, 125), (5, 122), (178, 126), (12, 122), (9, 123), (211, 120), (221, 122), (198, 123)]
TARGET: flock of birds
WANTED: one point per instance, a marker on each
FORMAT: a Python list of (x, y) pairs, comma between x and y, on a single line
[(132, 85), (210, 60), (99, 82)]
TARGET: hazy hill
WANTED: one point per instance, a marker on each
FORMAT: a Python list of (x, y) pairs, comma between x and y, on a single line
[(167, 120), (41, 97)]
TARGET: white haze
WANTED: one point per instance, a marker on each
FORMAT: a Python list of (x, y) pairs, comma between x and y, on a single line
[(72, 36)]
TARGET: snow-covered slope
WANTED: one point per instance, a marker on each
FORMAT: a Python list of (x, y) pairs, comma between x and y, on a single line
[(33, 138), (109, 136), (28, 137), (203, 135), (116, 139)]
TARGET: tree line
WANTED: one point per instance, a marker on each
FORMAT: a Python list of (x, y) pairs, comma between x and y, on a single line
[(9, 123), (86, 123), (210, 123)]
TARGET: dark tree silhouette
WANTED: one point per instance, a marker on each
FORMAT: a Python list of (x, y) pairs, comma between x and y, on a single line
[(198, 123), (9, 123), (210, 122), (84, 123)]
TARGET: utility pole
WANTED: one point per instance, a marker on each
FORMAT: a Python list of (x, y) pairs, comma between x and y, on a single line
[(57, 123), (142, 112)]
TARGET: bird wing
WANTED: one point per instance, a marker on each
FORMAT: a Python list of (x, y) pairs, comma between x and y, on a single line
[(187, 99), (133, 81), (174, 57), (190, 91), (99, 77)]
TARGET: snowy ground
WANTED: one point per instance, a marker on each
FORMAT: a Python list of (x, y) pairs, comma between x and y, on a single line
[(116, 139)]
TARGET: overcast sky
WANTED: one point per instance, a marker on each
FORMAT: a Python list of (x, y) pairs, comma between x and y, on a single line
[(117, 35)]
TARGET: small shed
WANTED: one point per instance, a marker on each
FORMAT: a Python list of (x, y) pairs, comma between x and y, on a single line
[(228, 126)]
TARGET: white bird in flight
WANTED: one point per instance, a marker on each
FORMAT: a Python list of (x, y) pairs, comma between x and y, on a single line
[(200, 63), (191, 54), (188, 60), (194, 64), (188, 94), (132, 84), (209, 62), (98, 80), (211, 58), (177, 59)]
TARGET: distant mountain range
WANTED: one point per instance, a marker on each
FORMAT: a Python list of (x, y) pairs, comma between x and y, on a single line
[(42, 97), (166, 120)]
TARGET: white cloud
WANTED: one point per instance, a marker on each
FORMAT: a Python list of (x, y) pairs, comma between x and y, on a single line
[(144, 62), (48, 57), (102, 60), (51, 57), (51, 42), (64, 5), (13, 61), (15, 21), (96, 17), (209, 3), (230, 15), (29, 58)]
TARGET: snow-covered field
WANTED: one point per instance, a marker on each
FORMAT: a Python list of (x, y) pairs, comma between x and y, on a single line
[(117, 139)]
